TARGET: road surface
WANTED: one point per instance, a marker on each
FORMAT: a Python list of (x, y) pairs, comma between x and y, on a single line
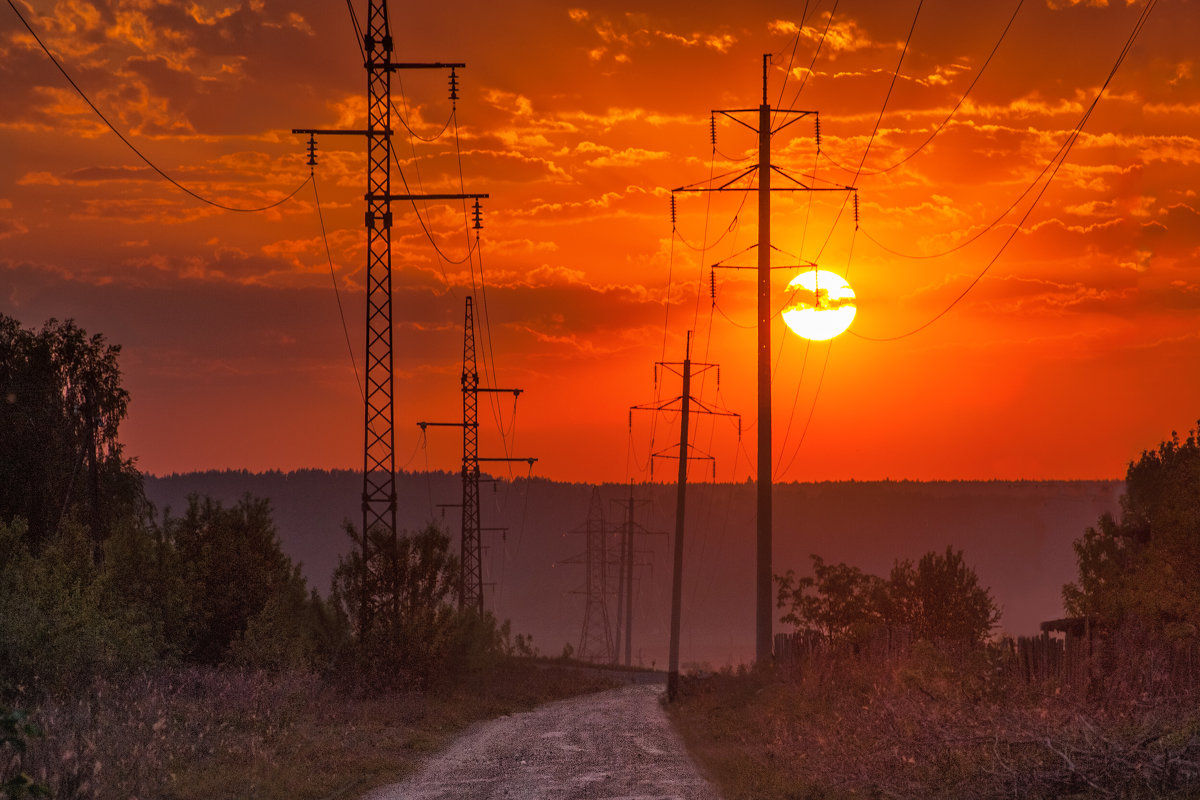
[(603, 746)]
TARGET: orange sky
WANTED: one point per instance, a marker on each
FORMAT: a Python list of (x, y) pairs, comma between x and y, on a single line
[(1075, 351)]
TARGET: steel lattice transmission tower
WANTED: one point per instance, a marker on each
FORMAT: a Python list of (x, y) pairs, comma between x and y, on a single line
[(379, 434), (379, 459), (470, 590), (470, 582), (595, 639)]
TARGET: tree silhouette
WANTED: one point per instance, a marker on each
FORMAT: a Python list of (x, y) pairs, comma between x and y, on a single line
[(61, 404), (1146, 565)]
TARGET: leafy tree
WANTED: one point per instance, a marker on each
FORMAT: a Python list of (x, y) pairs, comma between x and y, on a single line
[(223, 566), (411, 628), (1146, 564), (15, 732), (837, 600), (61, 404), (56, 628), (937, 598), (940, 598)]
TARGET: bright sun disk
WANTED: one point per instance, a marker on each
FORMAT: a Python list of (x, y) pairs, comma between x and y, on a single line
[(821, 305)]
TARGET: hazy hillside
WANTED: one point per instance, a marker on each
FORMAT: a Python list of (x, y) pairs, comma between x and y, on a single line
[(1017, 535)]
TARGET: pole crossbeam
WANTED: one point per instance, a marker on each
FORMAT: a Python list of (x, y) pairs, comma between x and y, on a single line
[(404, 197)]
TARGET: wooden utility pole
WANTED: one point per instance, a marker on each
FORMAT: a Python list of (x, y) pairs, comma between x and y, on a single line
[(686, 402), (680, 508), (762, 573)]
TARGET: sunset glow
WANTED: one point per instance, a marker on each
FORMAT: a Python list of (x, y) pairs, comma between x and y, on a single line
[(820, 305), (1026, 257)]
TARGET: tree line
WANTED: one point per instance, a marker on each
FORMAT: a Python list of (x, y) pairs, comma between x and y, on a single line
[(95, 581)]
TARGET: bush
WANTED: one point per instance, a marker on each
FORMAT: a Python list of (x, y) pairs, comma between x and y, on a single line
[(56, 630)]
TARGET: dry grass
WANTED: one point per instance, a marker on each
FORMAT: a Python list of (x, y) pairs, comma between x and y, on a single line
[(931, 730), (196, 733)]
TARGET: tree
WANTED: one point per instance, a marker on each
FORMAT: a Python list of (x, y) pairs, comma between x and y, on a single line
[(61, 404), (226, 563), (412, 629), (1145, 566), (940, 598), (839, 601)]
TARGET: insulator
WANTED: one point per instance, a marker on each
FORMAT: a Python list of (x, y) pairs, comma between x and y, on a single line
[(817, 123), (712, 129), (477, 214), (856, 211), (453, 84), (712, 283), (312, 150), (672, 210)]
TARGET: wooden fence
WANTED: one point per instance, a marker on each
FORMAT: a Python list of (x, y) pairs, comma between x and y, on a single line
[(1074, 660)]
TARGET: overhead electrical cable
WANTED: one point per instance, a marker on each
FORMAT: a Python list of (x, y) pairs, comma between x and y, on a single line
[(1059, 159), (811, 410), (337, 292), (413, 134), (133, 147), (817, 52), (875, 129), (425, 227), (944, 122), (357, 29)]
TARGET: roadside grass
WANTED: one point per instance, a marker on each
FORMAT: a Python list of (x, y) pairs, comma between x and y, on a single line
[(926, 728), (192, 733)]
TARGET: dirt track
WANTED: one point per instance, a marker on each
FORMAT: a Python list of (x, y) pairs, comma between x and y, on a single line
[(605, 746)]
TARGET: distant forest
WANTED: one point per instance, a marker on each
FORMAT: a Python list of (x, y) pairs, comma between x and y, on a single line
[(1017, 535)]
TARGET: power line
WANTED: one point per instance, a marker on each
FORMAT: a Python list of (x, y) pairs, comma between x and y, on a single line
[(1057, 161), (811, 64), (874, 130), (953, 110), (130, 144), (337, 293)]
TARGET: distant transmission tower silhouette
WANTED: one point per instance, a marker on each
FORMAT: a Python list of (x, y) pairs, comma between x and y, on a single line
[(379, 435), (596, 637), (470, 585)]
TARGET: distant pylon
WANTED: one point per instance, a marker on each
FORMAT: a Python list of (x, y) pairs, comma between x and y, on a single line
[(470, 580), (595, 640)]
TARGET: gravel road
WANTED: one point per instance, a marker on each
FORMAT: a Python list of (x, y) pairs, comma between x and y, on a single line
[(611, 745)]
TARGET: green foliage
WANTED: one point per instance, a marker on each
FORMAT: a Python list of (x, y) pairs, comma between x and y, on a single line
[(409, 630), (1145, 567), (231, 565), (57, 628), (938, 598), (61, 403), (228, 592)]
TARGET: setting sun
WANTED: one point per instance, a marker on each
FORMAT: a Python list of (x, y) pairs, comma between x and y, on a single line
[(820, 306)]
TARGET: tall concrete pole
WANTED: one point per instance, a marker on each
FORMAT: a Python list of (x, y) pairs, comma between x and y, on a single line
[(762, 594), (680, 503)]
